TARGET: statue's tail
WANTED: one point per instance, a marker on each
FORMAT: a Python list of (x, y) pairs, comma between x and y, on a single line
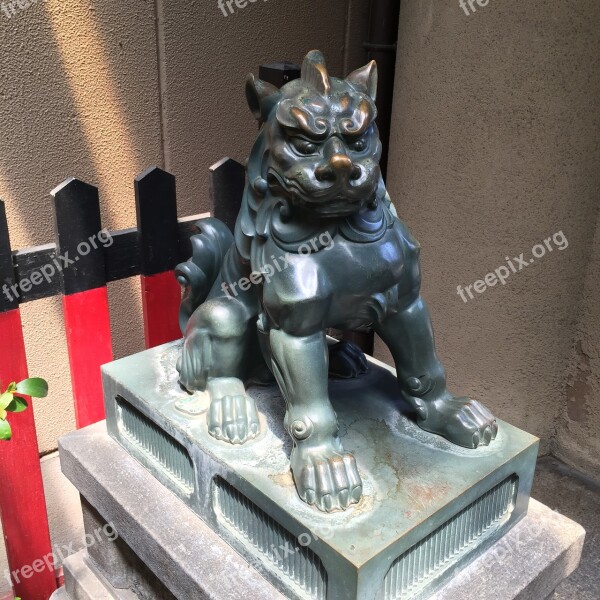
[(198, 274)]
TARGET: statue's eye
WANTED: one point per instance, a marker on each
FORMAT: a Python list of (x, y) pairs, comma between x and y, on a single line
[(304, 146), (359, 145)]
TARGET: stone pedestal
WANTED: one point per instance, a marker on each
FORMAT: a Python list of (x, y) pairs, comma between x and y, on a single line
[(225, 515), (164, 551), (428, 508)]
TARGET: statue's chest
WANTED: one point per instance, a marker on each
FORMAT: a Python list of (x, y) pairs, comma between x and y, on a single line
[(339, 269), (363, 269)]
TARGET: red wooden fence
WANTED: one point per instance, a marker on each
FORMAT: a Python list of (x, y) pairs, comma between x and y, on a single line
[(22, 502), (83, 259), (84, 263), (85, 297)]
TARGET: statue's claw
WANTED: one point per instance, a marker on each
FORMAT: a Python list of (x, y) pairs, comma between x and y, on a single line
[(188, 367), (346, 360), (326, 478), (232, 416), (462, 421)]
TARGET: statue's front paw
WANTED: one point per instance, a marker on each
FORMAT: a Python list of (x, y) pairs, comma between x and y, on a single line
[(326, 478), (232, 416), (462, 421)]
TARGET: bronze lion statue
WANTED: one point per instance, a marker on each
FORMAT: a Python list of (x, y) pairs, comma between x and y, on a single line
[(317, 245)]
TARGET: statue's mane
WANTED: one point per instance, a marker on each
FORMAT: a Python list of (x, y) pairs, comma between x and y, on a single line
[(316, 106)]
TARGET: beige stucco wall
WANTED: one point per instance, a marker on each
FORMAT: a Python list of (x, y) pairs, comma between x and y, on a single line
[(495, 148), (207, 57), (64, 516), (79, 97), (577, 440), (102, 90)]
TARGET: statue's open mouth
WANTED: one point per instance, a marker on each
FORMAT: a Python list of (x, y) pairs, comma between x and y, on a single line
[(328, 201)]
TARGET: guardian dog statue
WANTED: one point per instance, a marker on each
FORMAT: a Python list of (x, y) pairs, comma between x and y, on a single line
[(317, 245)]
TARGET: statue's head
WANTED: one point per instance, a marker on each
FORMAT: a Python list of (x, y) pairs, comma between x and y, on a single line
[(319, 147)]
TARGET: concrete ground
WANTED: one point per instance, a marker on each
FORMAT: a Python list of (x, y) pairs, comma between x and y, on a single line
[(572, 494)]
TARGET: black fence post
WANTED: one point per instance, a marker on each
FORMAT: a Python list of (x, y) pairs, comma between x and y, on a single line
[(158, 235), (227, 181), (77, 225), (158, 231), (80, 245), (279, 73)]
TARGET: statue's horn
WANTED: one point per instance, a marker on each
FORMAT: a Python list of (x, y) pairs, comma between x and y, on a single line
[(314, 72)]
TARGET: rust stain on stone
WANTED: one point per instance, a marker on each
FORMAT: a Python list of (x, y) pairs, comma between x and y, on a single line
[(283, 479), (423, 495)]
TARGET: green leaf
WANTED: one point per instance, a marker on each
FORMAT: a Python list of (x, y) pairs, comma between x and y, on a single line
[(5, 430), (12, 387), (5, 399), (34, 386), (17, 405)]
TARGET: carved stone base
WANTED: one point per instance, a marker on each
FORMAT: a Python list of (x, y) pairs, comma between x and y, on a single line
[(429, 507), (165, 551)]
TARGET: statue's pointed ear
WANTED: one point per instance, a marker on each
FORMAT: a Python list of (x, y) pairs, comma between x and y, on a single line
[(261, 97), (365, 79)]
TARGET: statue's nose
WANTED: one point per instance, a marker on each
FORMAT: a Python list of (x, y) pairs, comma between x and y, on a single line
[(339, 166)]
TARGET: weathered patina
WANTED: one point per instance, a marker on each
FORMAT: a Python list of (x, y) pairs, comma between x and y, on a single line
[(317, 244)]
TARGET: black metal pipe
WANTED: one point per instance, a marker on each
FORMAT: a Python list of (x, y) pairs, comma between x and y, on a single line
[(384, 16)]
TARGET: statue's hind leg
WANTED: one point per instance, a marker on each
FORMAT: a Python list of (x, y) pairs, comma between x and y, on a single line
[(409, 336), (408, 333), (214, 358)]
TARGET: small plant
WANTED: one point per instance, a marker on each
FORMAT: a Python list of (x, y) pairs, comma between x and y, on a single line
[(12, 400)]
